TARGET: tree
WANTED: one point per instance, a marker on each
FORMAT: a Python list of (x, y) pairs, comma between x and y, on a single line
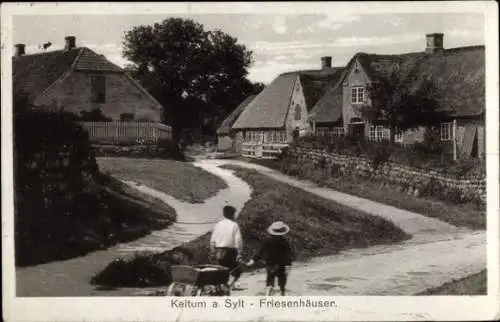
[(402, 103), (198, 76)]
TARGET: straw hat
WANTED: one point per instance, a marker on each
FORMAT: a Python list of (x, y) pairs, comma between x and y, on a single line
[(278, 228)]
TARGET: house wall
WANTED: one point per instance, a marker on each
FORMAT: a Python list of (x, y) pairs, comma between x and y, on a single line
[(238, 141), (479, 124), (122, 96), (224, 142), (353, 78), (297, 99)]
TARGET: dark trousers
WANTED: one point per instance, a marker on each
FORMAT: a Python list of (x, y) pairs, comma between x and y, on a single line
[(227, 257), (276, 272)]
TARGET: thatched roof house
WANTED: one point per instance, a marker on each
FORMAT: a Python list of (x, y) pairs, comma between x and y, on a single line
[(271, 107), (457, 75), (226, 125)]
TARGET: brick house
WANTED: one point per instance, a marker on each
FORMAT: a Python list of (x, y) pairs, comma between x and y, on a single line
[(77, 79), (269, 121), (459, 90)]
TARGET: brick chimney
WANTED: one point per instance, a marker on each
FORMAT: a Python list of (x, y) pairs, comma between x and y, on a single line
[(326, 62), (434, 43), (20, 50), (70, 42)]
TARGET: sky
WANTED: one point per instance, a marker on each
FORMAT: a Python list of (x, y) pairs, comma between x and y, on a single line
[(280, 42)]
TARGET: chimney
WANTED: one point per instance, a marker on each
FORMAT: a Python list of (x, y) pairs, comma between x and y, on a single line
[(434, 43), (70, 42), (326, 62), (20, 50)]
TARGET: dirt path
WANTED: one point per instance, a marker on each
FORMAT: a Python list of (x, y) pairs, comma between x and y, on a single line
[(71, 277), (437, 253)]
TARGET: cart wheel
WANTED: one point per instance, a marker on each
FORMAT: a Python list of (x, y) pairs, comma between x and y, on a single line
[(170, 290), (188, 290)]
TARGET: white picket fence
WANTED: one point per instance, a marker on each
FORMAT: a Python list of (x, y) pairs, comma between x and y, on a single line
[(120, 132), (262, 150)]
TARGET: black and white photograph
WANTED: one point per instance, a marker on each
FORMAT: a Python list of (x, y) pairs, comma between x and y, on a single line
[(243, 162)]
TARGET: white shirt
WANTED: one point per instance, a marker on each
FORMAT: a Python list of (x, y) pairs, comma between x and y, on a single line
[(226, 233)]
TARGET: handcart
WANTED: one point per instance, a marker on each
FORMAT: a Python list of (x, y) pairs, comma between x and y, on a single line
[(199, 280)]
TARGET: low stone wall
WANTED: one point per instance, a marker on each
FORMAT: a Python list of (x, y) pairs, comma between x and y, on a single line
[(412, 180)]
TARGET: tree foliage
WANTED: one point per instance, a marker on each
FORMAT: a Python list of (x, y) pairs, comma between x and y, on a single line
[(198, 76), (401, 104)]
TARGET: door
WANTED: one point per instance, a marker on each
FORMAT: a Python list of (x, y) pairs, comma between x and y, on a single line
[(357, 130)]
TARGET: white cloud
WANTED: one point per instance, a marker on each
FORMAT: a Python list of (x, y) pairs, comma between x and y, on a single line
[(266, 73), (279, 25), (462, 33), (336, 21)]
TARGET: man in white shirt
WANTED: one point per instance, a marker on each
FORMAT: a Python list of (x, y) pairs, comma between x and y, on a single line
[(226, 243)]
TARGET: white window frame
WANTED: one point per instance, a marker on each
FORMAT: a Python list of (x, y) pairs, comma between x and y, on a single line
[(398, 137), (376, 132), (445, 131), (358, 95)]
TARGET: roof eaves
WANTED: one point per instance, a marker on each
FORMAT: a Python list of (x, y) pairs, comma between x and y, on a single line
[(290, 99), (144, 91), (57, 81)]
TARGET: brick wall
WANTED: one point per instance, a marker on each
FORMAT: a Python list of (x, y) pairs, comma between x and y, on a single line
[(412, 180), (122, 96)]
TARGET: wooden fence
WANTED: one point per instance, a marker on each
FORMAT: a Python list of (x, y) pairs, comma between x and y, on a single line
[(119, 132)]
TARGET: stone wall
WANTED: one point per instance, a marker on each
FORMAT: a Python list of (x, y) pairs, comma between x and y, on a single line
[(412, 180)]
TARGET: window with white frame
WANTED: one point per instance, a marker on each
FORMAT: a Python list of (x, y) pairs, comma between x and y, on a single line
[(321, 131), (398, 136), (282, 136), (337, 131), (376, 132), (446, 131), (357, 95)]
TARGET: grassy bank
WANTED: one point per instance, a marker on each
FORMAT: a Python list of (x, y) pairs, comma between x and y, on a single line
[(106, 213), (180, 180), (468, 215), (309, 216), (475, 284)]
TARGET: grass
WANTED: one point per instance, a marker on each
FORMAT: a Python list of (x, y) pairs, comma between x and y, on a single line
[(108, 213), (178, 179), (467, 215), (474, 284), (309, 216)]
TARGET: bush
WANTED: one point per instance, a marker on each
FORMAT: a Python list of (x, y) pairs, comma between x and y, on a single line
[(62, 207)]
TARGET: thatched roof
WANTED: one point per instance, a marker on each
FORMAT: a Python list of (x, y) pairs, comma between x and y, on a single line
[(269, 109), (225, 127), (458, 75)]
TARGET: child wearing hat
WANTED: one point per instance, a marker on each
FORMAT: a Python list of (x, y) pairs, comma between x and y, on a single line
[(277, 254)]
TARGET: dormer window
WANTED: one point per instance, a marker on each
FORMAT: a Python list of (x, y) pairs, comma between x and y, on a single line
[(357, 95)]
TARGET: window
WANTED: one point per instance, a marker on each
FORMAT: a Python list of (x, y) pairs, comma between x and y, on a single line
[(376, 133), (97, 89), (357, 95), (446, 129), (398, 136), (127, 117), (297, 113), (337, 131)]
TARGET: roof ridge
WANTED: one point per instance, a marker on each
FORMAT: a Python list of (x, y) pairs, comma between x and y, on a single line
[(48, 52)]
